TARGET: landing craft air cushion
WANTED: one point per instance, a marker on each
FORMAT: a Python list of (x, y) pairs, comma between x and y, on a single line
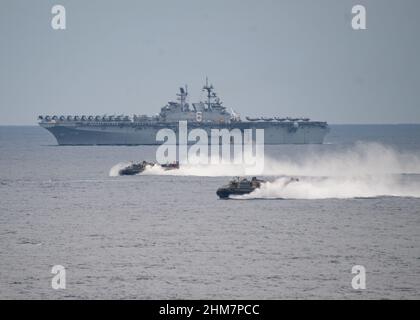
[(239, 187), (138, 167)]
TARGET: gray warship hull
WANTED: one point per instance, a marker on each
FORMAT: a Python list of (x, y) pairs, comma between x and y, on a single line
[(145, 134), (209, 115)]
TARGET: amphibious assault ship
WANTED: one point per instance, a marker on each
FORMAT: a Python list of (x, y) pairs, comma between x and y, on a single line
[(207, 115)]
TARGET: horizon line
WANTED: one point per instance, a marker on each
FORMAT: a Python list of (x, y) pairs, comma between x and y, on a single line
[(332, 123)]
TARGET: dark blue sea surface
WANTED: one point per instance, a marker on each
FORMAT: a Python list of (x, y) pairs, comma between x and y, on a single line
[(168, 236)]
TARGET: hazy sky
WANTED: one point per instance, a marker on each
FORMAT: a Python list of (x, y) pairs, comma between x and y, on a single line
[(277, 57)]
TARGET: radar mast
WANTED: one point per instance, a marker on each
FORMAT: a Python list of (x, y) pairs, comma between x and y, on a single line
[(209, 89), (183, 96)]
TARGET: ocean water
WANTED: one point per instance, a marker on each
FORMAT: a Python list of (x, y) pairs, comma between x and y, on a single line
[(167, 235)]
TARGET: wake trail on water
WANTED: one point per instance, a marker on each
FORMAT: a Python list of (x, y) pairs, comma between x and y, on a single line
[(365, 170), (336, 188), (362, 170), (360, 159)]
